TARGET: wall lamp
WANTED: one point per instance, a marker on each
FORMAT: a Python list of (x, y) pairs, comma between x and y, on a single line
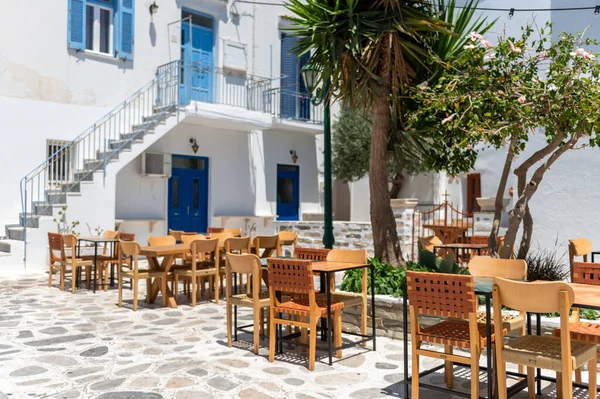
[(294, 155), (153, 8), (194, 145)]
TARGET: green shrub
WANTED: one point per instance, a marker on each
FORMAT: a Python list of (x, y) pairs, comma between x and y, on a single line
[(547, 265)]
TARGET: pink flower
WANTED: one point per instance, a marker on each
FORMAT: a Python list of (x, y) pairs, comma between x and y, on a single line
[(577, 52), (486, 43), (469, 147), (513, 48), (542, 55), (521, 100), (589, 56), (474, 36), (448, 119), (490, 56)]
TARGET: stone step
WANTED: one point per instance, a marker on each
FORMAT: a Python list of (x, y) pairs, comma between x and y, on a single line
[(32, 220), (119, 145), (15, 233), (148, 125), (84, 175), (89, 164), (5, 246), (136, 137), (55, 197), (43, 208), (110, 155)]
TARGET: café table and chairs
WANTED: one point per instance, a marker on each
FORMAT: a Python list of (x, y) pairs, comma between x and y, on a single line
[(58, 245), (109, 237), (106, 258), (202, 264)]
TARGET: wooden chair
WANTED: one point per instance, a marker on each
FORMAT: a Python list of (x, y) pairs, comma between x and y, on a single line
[(176, 233), (428, 243), (235, 245), (451, 296), (131, 249), (287, 238), (256, 299), (210, 230), (105, 262), (269, 245), (58, 259), (483, 240), (126, 236), (583, 273), (578, 247), (318, 254), (295, 277), (124, 261), (203, 265), (161, 240), (236, 231), (534, 351)]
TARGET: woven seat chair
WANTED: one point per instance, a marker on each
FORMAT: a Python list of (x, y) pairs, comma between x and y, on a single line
[(236, 245), (429, 242), (317, 254), (534, 351), (483, 240), (579, 247), (451, 296), (235, 231), (268, 244), (131, 249), (203, 264), (122, 260), (256, 299), (58, 259), (176, 233), (295, 276), (211, 230), (161, 240), (287, 238), (583, 273), (105, 262)]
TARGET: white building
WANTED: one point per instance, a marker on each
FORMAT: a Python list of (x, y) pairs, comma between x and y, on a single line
[(564, 207), (206, 89)]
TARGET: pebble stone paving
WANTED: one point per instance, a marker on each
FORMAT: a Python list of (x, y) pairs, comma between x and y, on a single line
[(57, 345)]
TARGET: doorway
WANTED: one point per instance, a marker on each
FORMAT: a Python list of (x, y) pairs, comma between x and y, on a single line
[(196, 77), (188, 194), (288, 192)]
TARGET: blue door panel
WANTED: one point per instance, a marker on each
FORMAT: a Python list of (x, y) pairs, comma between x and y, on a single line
[(197, 56), (188, 199), (288, 192)]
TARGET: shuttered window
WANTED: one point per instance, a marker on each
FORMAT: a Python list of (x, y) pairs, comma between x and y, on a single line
[(294, 103), (102, 26)]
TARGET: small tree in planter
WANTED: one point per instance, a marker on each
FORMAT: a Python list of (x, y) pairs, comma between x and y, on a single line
[(501, 95)]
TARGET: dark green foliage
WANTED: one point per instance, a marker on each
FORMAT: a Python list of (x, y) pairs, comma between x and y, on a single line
[(548, 265)]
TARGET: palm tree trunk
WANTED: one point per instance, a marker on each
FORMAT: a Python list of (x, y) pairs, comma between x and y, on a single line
[(397, 183), (385, 235)]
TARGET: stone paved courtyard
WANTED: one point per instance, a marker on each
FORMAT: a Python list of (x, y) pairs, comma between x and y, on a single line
[(57, 345)]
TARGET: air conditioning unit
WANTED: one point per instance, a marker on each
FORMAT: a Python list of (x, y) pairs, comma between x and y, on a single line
[(155, 165)]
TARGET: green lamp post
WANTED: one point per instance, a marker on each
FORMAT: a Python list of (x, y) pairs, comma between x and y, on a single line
[(310, 76)]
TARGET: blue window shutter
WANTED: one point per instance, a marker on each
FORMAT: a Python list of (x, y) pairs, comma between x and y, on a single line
[(289, 80), (76, 24), (126, 29)]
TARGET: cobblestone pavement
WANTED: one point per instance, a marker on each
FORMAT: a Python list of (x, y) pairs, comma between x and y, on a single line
[(55, 344)]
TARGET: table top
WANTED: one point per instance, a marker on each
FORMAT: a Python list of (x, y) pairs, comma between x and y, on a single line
[(447, 226), (586, 296), (324, 266), (97, 239), (161, 250), (458, 245)]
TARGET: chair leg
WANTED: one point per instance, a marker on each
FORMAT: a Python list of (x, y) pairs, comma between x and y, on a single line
[(193, 283), (531, 382), (88, 276), (50, 270), (337, 329), (135, 294), (593, 370), (63, 271), (229, 324), (578, 376), (217, 281), (120, 292), (73, 279), (106, 269), (415, 372), (304, 334), (272, 335), (256, 330), (163, 285), (475, 374), (262, 321), (312, 348), (501, 375), (567, 383), (559, 385), (449, 368)]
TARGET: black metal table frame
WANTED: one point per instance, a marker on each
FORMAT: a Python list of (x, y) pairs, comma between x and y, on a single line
[(489, 369), (456, 248), (594, 253), (96, 241)]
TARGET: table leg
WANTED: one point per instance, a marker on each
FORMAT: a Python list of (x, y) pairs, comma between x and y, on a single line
[(488, 334), (405, 336), (538, 325), (329, 323), (112, 266), (372, 267), (321, 288), (95, 282), (152, 290)]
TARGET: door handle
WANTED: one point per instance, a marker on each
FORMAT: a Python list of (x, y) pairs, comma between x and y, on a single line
[(188, 211)]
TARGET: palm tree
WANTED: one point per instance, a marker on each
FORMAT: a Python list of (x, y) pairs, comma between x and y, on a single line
[(369, 50)]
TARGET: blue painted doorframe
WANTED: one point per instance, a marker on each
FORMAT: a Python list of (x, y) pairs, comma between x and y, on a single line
[(188, 194), (197, 56), (288, 192)]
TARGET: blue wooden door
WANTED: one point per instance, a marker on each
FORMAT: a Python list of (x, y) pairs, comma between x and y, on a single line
[(288, 192), (293, 104), (197, 72), (188, 194)]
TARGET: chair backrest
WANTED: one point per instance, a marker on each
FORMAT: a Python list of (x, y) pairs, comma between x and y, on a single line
[(348, 255), (126, 236), (189, 238), (130, 249), (429, 242), (176, 233), (267, 243), (483, 240), (204, 246), (586, 273), (222, 236), (56, 246), (578, 247), (237, 244), (110, 234), (70, 240), (236, 231), (288, 235), (542, 297), (211, 230), (318, 254), (161, 240), (287, 238), (248, 264), (291, 275), (484, 266), (441, 294)]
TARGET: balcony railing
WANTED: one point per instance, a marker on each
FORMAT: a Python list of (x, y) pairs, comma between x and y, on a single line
[(293, 105)]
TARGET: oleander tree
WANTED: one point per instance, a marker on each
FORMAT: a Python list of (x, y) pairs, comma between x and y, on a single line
[(500, 95)]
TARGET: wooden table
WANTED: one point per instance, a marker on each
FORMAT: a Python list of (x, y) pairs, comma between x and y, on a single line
[(449, 233), (457, 247), (167, 252), (97, 240)]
